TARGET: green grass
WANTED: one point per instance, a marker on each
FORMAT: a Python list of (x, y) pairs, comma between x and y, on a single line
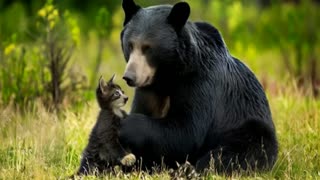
[(37, 144)]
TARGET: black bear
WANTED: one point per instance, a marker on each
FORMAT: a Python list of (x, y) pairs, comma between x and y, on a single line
[(218, 112)]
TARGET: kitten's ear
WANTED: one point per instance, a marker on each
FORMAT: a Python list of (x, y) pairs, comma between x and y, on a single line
[(102, 84), (179, 15), (130, 9), (112, 78)]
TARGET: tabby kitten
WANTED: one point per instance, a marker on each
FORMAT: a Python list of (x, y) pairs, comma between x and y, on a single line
[(104, 149)]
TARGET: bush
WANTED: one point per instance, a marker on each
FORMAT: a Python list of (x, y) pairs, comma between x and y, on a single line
[(43, 70)]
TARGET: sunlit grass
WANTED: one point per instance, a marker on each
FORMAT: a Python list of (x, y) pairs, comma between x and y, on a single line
[(37, 144)]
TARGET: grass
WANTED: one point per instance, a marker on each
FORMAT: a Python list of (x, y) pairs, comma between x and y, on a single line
[(37, 144)]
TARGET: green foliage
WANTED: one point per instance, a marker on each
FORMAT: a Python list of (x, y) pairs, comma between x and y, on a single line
[(280, 40), (21, 80), (293, 30), (43, 70), (13, 20), (103, 22)]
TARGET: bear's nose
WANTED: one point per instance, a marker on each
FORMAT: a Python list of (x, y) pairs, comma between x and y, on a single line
[(130, 78)]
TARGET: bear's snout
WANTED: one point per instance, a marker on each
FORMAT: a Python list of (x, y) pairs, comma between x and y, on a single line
[(139, 72)]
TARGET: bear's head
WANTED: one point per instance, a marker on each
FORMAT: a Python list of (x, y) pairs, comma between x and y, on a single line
[(150, 40)]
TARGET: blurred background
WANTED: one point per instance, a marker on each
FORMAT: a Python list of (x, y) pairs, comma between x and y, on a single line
[(56, 50)]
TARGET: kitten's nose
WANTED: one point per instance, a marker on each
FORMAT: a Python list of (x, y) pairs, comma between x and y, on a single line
[(125, 99)]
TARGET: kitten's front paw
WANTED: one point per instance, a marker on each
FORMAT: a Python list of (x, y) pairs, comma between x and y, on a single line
[(128, 160)]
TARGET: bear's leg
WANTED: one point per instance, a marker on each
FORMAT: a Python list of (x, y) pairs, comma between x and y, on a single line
[(252, 146), (217, 161), (86, 166)]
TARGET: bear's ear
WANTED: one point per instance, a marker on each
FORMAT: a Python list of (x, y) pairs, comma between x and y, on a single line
[(179, 15), (130, 9)]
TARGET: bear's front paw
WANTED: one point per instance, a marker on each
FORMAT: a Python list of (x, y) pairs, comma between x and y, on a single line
[(128, 160)]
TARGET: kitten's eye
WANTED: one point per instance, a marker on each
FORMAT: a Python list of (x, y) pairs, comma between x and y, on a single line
[(117, 94)]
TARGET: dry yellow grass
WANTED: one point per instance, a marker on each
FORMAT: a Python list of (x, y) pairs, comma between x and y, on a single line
[(37, 144)]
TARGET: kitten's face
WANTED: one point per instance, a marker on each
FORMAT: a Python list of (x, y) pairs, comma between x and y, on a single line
[(110, 95)]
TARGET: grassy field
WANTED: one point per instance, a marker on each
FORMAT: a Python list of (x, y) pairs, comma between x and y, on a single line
[(38, 144)]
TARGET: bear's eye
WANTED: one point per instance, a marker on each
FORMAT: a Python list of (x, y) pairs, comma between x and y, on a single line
[(145, 48), (130, 46)]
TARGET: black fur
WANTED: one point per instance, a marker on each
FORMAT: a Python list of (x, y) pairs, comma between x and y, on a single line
[(130, 8), (179, 15), (103, 139), (104, 149), (216, 102)]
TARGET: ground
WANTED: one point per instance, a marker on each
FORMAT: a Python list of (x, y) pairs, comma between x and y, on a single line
[(40, 145)]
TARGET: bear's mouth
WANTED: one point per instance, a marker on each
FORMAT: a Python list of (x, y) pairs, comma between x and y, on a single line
[(141, 82), (147, 82)]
